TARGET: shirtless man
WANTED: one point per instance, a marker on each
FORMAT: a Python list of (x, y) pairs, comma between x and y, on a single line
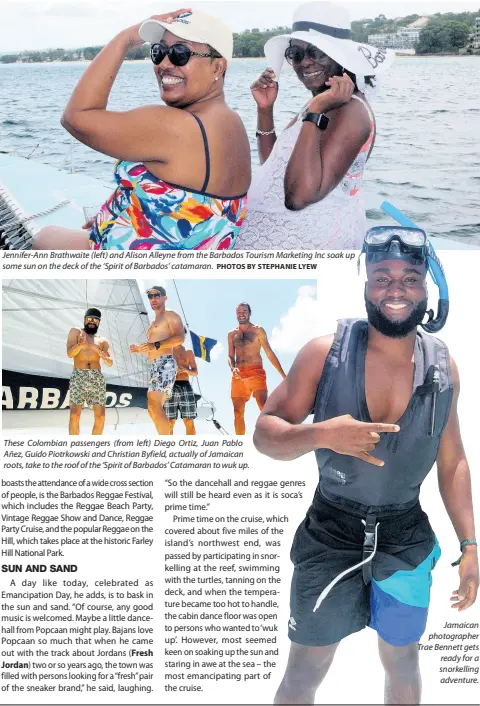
[(183, 396), (87, 384), (248, 376), (164, 334)]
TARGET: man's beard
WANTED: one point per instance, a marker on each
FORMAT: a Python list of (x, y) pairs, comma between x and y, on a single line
[(91, 329), (395, 329)]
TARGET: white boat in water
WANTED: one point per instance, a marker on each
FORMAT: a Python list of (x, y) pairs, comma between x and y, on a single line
[(36, 318), (34, 195)]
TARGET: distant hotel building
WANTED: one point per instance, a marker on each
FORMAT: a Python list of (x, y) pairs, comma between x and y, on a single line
[(405, 38), (476, 36)]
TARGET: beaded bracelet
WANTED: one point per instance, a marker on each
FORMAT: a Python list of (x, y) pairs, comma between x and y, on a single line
[(464, 543), (264, 132)]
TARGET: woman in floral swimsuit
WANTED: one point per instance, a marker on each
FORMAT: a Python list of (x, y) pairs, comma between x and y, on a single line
[(184, 167)]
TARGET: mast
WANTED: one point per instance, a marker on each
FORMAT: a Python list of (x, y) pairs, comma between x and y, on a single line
[(212, 419)]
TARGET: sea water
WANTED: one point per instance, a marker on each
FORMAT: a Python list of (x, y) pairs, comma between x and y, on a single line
[(426, 159)]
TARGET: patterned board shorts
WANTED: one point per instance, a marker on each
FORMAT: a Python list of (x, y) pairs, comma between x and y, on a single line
[(88, 386), (183, 399), (163, 372)]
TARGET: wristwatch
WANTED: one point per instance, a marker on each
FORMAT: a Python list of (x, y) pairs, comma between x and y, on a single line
[(320, 120)]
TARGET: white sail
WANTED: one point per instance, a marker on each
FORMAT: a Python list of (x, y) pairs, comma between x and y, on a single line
[(38, 314), (37, 317)]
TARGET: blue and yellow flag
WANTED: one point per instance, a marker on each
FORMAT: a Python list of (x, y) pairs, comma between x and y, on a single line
[(202, 346)]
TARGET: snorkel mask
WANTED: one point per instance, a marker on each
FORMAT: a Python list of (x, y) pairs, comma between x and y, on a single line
[(410, 243)]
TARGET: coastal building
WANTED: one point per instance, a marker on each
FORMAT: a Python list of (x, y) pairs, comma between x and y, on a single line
[(404, 38), (476, 36)]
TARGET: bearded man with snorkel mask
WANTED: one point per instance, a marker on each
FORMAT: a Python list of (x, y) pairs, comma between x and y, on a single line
[(384, 394)]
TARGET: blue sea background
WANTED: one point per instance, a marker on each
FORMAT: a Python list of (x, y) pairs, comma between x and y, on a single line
[(426, 158)]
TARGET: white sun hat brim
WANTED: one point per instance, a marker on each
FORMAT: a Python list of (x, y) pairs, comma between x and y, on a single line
[(194, 27), (360, 59)]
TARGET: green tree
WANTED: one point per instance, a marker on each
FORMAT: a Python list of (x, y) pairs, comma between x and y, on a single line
[(409, 19), (8, 58), (91, 52), (139, 53), (34, 56), (440, 36)]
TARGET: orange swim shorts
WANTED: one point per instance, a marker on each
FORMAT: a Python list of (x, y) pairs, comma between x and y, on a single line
[(252, 378)]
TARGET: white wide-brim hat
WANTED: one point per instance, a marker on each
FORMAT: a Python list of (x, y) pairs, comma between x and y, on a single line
[(327, 26), (194, 27)]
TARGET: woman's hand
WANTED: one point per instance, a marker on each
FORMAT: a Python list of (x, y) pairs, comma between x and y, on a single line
[(340, 93), (89, 224), (265, 89), (131, 35)]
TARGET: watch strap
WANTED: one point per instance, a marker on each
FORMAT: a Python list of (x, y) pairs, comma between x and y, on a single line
[(463, 544), (319, 119)]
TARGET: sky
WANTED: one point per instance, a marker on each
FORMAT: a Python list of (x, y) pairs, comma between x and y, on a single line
[(42, 24), (295, 311), (287, 310)]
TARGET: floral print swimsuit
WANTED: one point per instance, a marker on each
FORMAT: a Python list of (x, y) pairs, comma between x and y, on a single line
[(146, 213)]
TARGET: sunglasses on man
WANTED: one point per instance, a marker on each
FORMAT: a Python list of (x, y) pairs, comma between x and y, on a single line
[(154, 295), (92, 320), (178, 54)]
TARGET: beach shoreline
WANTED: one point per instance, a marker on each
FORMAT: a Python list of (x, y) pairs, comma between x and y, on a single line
[(236, 58)]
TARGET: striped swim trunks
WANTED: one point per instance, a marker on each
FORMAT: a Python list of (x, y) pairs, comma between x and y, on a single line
[(328, 601)]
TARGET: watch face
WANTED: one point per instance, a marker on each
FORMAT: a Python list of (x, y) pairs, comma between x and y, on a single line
[(323, 122)]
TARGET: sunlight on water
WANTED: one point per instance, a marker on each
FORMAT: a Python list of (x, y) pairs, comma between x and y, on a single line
[(426, 159)]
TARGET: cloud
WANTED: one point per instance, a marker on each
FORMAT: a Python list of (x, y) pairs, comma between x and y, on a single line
[(299, 324), (217, 351)]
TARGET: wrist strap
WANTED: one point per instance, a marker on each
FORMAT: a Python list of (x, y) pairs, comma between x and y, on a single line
[(318, 119), (264, 132), (463, 544)]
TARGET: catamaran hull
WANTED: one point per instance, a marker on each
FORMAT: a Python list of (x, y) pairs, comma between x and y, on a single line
[(59, 418), (29, 396)]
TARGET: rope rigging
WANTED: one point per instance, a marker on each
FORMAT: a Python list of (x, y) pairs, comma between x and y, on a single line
[(212, 419)]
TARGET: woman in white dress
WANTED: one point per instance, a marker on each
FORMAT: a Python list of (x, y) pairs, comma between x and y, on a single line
[(306, 194)]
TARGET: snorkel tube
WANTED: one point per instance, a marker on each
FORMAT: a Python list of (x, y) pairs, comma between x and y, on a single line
[(434, 266)]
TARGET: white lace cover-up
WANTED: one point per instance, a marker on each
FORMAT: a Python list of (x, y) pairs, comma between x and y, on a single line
[(338, 222)]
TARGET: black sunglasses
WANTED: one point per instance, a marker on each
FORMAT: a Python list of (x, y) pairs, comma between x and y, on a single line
[(295, 54), (178, 54), (157, 295)]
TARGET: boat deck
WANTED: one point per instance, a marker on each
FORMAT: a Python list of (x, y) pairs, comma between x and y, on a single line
[(54, 197)]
